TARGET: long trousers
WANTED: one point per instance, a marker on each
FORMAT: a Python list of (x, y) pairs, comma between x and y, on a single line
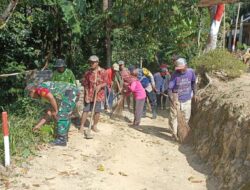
[(139, 104), (162, 101), (66, 107), (185, 107), (152, 100)]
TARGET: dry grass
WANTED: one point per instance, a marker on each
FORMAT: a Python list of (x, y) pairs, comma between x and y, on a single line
[(183, 128), (118, 108)]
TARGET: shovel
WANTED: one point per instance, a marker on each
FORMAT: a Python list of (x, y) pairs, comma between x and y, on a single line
[(87, 132)]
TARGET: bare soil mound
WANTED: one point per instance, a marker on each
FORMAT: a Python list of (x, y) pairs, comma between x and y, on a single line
[(221, 131)]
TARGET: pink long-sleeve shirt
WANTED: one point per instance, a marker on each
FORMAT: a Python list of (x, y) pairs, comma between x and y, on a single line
[(138, 91)]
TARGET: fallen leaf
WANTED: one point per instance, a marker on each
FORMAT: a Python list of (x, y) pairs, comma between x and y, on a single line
[(190, 178), (123, 174), (24, 170), (69, 156), (196, 181), (49, 178), (74, 173), (85, 155), (64, 173), (36, 185), (100, 168), (193, 180)]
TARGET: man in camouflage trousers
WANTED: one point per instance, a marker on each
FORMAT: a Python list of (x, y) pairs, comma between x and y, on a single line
[(62, 98)]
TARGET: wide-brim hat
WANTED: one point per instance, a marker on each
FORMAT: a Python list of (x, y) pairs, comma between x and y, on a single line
[(60, 63)]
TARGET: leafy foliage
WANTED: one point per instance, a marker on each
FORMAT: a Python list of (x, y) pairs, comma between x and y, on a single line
[(40, 31), (43, 30), (149, 28), (22, 116), (219, 61)]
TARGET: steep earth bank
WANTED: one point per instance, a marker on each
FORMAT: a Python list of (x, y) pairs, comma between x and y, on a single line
[(221, 131)]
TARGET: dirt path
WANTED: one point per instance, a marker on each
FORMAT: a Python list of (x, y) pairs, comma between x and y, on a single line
[(118, 158)]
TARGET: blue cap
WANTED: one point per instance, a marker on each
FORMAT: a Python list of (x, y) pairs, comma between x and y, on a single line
[(131, 68)]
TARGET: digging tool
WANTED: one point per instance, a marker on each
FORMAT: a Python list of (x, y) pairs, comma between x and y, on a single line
[(166, 95), (117, 94), (107, 97), (87, 133)]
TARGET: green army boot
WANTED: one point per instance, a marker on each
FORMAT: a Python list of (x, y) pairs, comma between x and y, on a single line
[(60, 141)]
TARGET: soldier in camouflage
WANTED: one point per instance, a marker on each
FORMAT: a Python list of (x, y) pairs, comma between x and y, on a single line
[(62, 98), (62, 73)]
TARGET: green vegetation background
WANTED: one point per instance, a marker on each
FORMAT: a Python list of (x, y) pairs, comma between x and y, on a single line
[(74, 30)]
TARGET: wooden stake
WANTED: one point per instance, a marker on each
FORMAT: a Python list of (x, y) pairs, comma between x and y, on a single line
[(6, 138)]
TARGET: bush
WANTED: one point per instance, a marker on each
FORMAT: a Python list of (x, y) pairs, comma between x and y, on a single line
[(22, 116), (220, 61)]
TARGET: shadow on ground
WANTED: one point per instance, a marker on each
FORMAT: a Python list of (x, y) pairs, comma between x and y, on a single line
[(164, 113), (196, 163), (166, 134), (160, 132)]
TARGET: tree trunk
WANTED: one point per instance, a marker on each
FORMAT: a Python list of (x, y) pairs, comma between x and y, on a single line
[(8, 12), (236, 26), (107, 4), (59, 34)]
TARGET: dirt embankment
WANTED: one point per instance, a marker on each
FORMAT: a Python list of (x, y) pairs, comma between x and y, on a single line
[(221, 131)]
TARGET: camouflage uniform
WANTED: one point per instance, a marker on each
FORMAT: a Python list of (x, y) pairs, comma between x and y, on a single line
[(66, 97), (66, 76)]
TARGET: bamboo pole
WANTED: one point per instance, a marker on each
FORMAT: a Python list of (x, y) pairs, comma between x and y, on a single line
[(4, 18), (241, 29), (236, 26), (224, 29), (199, 34), (14, 74), (141, 62)]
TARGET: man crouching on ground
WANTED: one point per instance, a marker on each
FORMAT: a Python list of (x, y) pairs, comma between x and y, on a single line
[(62, 98)]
